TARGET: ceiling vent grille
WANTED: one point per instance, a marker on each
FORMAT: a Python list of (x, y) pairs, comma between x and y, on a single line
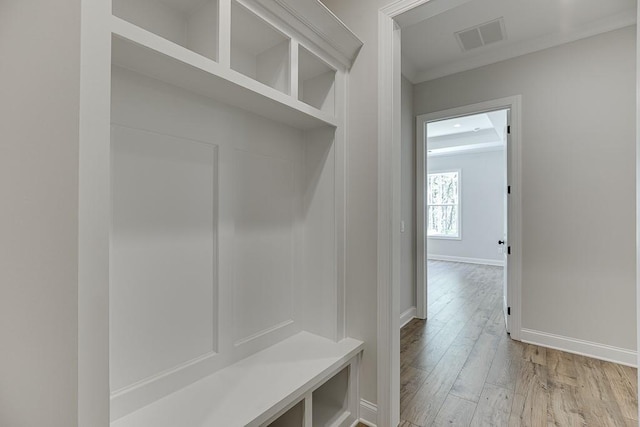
[(481, 35)]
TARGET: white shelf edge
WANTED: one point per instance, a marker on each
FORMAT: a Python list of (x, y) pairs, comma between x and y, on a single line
[(139, 50), (307, 358)]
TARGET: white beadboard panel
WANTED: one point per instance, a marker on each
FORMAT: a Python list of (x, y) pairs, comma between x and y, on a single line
[(163, 287), (265, 197)]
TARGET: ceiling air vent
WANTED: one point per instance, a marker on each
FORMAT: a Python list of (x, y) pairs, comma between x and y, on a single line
[(481, 35)]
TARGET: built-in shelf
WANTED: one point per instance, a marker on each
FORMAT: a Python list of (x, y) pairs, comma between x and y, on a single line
[(189, 154), (258, 50), (192, 24), (256, 389), (316, 82), (142, 51)]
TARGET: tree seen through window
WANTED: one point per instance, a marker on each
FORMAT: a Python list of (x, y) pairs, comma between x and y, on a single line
[(443, 207)]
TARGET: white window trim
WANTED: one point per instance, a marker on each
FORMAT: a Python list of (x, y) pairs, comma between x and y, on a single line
[(426, 187)]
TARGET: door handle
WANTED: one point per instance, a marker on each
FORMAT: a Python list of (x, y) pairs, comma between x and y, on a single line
[(501, 242)]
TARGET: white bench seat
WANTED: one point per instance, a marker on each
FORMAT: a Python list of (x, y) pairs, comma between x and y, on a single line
[(253, 390)]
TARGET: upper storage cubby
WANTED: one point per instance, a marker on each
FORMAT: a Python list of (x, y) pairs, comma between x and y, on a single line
[(316, 82), (258, 50), (192, 24)]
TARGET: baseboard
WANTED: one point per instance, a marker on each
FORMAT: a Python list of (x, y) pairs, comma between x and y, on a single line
[(585, 348), (495, 262), (368, 413), (407, 316)]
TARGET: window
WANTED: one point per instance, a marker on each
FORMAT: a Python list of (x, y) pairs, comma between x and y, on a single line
[(443, 205)]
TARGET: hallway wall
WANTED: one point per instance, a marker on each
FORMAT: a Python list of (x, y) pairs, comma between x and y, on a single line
[(578, 175), (39, 149)]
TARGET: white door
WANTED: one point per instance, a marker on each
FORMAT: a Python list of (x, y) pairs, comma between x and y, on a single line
[(505, 239)]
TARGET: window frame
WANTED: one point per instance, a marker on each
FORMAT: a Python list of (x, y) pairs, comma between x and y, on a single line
[(459, 205)]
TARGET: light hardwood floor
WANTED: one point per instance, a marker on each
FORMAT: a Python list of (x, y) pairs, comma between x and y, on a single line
[(461, 369)]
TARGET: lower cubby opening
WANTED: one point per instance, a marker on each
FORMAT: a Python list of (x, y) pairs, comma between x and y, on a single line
[(294, 417), (331, 400)]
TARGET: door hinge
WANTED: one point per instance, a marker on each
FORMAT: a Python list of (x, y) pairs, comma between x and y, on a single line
[(508, 311), (509, 129), (508, 189), (509, 250)]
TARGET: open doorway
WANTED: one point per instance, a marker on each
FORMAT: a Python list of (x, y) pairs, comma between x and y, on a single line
[(474, 152), (465, 207)]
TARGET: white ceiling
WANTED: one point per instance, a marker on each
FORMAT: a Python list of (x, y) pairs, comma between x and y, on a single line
[(475, 133), (430, 49), (459, 125)]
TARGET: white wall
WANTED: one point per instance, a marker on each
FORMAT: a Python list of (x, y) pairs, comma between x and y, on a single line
[(408, 210), (481, 204), (39, 118), (578, 180)]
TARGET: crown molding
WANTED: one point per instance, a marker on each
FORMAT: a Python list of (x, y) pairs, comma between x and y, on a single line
[(600, 26), (317, 23)]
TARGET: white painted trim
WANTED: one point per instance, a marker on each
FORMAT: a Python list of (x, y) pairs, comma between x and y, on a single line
[(400, 7), (482, 261), (638, 188), (368, 413), (421, 220), (605, 352), (94, 197), (514, 103), (525, 47), (389, 220), (407, 316)]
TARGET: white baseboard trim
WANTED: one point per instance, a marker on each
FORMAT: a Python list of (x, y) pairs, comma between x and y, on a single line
[(407, 316), (368, 413), (605, 352), (495, 262)]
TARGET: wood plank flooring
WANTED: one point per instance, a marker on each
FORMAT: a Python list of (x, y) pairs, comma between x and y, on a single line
[(460, 368)]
